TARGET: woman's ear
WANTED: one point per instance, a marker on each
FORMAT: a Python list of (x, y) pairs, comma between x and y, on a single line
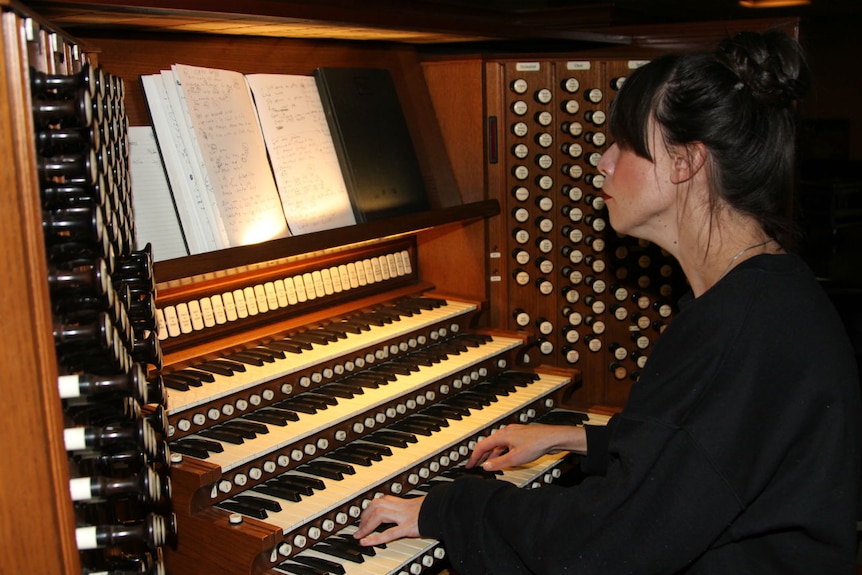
[(687, 160)]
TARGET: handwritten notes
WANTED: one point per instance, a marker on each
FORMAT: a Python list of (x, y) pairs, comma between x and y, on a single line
[(301, 151), (228, 137)]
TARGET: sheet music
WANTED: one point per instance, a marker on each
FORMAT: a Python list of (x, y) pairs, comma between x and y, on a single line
[(156, 219), (304, 162), (195, 212), (228, 138)]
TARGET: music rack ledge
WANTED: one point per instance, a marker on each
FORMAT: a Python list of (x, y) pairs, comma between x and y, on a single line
[(209, 262)]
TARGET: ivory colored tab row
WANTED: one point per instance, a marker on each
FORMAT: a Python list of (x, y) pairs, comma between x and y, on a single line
[(198, 314)]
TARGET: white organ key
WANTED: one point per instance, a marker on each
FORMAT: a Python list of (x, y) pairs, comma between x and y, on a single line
[(184, 317), (390, 263), (326, 278), (344, 277), (261, 298), (223, 385), (380, 269), (240, 303), (196, 315), (280, 293), (207, 312), (235, 455), (368, 479), (353, 275), (162, 325), (250, 300), (320, 284), (229, 306), (308, 283), (218, 309), (405, 261), (368, 268), (399, 264)]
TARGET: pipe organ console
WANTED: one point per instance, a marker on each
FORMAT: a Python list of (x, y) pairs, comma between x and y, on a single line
[(235, 412), (346, 377)]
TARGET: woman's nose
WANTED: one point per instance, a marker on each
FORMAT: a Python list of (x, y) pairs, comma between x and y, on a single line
[(606, 163)]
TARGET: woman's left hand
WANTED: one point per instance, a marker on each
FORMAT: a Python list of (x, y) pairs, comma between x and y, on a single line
[(404, 513)]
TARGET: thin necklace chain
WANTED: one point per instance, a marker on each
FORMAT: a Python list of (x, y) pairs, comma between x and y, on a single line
[(739, 254)]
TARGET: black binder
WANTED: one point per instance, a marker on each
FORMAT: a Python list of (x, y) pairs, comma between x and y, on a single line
[(372, 141)]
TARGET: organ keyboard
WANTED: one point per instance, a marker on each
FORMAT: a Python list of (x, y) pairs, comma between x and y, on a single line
[(283, 430)]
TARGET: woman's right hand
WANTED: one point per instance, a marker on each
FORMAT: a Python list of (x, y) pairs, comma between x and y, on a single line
[(518, 444)]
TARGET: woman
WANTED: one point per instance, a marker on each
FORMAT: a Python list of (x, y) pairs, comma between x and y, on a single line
[(738, 449)]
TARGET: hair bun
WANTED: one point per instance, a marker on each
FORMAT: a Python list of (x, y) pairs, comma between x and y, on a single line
[(771, 65)]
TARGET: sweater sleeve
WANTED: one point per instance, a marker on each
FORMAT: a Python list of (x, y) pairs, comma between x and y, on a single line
[(491, 526), (595, 462)]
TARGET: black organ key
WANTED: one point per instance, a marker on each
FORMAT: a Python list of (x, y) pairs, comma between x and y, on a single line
[(329, 469), (295, 568), (454, 346), (292, 483), (339, 390), (376, 451), (297, 404), (392, 438), (259, 354), (353, 327), (267, 504), (190, 449), (320, 563), (347, 456), (334, 334), (270, 416), (351, 543), (276, 490), (285, 345), (394, 369), (340, 551), (314, 468), (323, 399), (243, 357), (412, 427), (433, 355), (466, 402), (448, 411), (311, 482), (220, 367), (245, 509), (311, 337), (205, 444), (197, 374), (269, 351), (222, 434), (564, 417), (239, 431), (247, 429), (393, 315), (461, 471), (375, 320), (179, 383)]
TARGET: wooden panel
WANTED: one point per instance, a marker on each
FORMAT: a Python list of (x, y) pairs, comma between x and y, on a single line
[(36, 506), (459, 114)]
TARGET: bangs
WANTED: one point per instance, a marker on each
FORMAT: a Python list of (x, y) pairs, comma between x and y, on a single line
[(635, 105)]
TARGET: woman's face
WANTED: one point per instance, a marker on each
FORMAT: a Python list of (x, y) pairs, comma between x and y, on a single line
[(639, 194)]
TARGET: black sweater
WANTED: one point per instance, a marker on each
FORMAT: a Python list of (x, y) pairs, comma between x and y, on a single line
[(737, 452)]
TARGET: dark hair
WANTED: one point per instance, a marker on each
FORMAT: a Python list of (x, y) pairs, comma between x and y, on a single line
[(737, 101)]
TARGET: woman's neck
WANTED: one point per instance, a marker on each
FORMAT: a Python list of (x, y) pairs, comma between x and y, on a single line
[(714, 252)]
